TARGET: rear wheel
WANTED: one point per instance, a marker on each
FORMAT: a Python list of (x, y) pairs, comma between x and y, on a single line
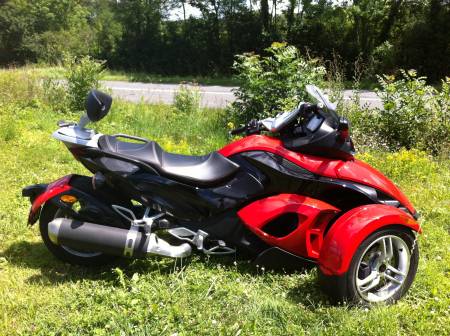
[(382, 269), (65, 253)]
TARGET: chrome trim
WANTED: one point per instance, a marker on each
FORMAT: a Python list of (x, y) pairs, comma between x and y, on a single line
[(53, 230), (198, 239), (387, 258), (130, 241), (74, 135), (159, 246), (84, 120)]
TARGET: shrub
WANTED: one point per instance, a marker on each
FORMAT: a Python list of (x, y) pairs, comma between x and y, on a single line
[(362, 125), (414, 115), (187, 99), (272, 83), (82, 75), (56, 95)]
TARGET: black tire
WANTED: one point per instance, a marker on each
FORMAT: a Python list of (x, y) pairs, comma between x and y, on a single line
[(343, 288), (50, 212)]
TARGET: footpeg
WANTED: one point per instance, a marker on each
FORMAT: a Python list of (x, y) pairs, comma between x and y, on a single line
[(200, 240)]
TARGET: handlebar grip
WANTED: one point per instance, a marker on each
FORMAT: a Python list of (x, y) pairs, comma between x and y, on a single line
[(238, 130)]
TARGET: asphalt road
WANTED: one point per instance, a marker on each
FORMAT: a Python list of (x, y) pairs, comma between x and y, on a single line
[(211, 96)]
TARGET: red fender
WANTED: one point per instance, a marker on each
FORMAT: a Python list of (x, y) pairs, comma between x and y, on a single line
[(55, 188), (312, 218), (349, 231)]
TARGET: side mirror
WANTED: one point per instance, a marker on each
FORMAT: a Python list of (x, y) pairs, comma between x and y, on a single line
[(97, 105)]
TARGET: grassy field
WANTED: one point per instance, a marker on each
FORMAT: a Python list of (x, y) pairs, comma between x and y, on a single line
[(134, 76), (203, 296)]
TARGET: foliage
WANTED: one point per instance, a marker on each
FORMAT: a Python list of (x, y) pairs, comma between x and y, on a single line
[(414, 115), (187, 99), (19, 87), (272, 83), (80, 74), (150, 36), (203, 295), (43, 30)]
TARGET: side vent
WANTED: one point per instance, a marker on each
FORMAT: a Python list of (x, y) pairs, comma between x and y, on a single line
[(282, 225)]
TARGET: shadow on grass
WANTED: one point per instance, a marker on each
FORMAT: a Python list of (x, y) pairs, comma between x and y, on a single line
[(53, 271)]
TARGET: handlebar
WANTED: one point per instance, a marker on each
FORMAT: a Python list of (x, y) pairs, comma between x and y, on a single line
[(252, 127), (303, 110), (238, 130)]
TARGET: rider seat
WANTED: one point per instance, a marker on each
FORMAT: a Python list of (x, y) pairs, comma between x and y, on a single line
[(198, 170)]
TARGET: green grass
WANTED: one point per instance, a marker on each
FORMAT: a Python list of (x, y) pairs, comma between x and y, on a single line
[(167, 79), (202, 296), (57, 72)]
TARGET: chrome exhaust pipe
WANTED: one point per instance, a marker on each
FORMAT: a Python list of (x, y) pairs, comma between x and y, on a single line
[(111, 240)]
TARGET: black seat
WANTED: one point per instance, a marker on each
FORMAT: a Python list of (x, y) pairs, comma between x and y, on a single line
[(198, 170)]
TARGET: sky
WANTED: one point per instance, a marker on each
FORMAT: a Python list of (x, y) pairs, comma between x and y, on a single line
[(177, 14)]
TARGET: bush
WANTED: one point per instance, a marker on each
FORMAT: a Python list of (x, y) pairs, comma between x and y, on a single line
[(186, 99), (273, 83), (414, 115), (82, 75)]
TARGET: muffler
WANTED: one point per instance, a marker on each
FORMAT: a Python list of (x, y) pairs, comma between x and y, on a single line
[(111, 240)]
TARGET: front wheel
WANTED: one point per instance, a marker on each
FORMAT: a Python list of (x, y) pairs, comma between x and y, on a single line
[(382, 269), (65, 253)]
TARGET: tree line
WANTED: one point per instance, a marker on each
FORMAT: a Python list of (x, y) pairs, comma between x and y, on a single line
[(142, 35)]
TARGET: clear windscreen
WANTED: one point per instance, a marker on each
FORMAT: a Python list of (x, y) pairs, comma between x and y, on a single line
[(317, 94)]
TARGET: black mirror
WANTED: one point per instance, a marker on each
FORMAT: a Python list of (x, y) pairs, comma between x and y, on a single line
[(97, 105)]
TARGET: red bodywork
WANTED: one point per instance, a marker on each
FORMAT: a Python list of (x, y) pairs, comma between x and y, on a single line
[(55, 188), (351, 170), (352, 228), (313, 216), (335, 248)]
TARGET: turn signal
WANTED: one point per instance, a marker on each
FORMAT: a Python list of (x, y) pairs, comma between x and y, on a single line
[(68, 199)]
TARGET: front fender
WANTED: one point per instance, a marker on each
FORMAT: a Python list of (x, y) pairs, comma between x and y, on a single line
[(352, 228)]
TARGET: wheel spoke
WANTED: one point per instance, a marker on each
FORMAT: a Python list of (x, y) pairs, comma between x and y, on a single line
[(388, 249), (396, 271), (374, 283), (372, 276), (387, 276), (382, 277)]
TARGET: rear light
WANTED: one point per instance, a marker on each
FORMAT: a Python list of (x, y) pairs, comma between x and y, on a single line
[(63, 181)]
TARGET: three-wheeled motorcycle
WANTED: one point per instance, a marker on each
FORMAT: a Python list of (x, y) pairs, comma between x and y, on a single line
[(287, 194)]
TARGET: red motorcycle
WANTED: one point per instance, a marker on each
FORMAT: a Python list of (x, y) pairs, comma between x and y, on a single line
[(288, 194)]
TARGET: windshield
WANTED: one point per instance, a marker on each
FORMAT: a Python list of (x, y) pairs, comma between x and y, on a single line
[(317, 94)]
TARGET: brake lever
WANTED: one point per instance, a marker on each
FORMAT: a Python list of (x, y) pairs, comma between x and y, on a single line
[(253, 127)]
